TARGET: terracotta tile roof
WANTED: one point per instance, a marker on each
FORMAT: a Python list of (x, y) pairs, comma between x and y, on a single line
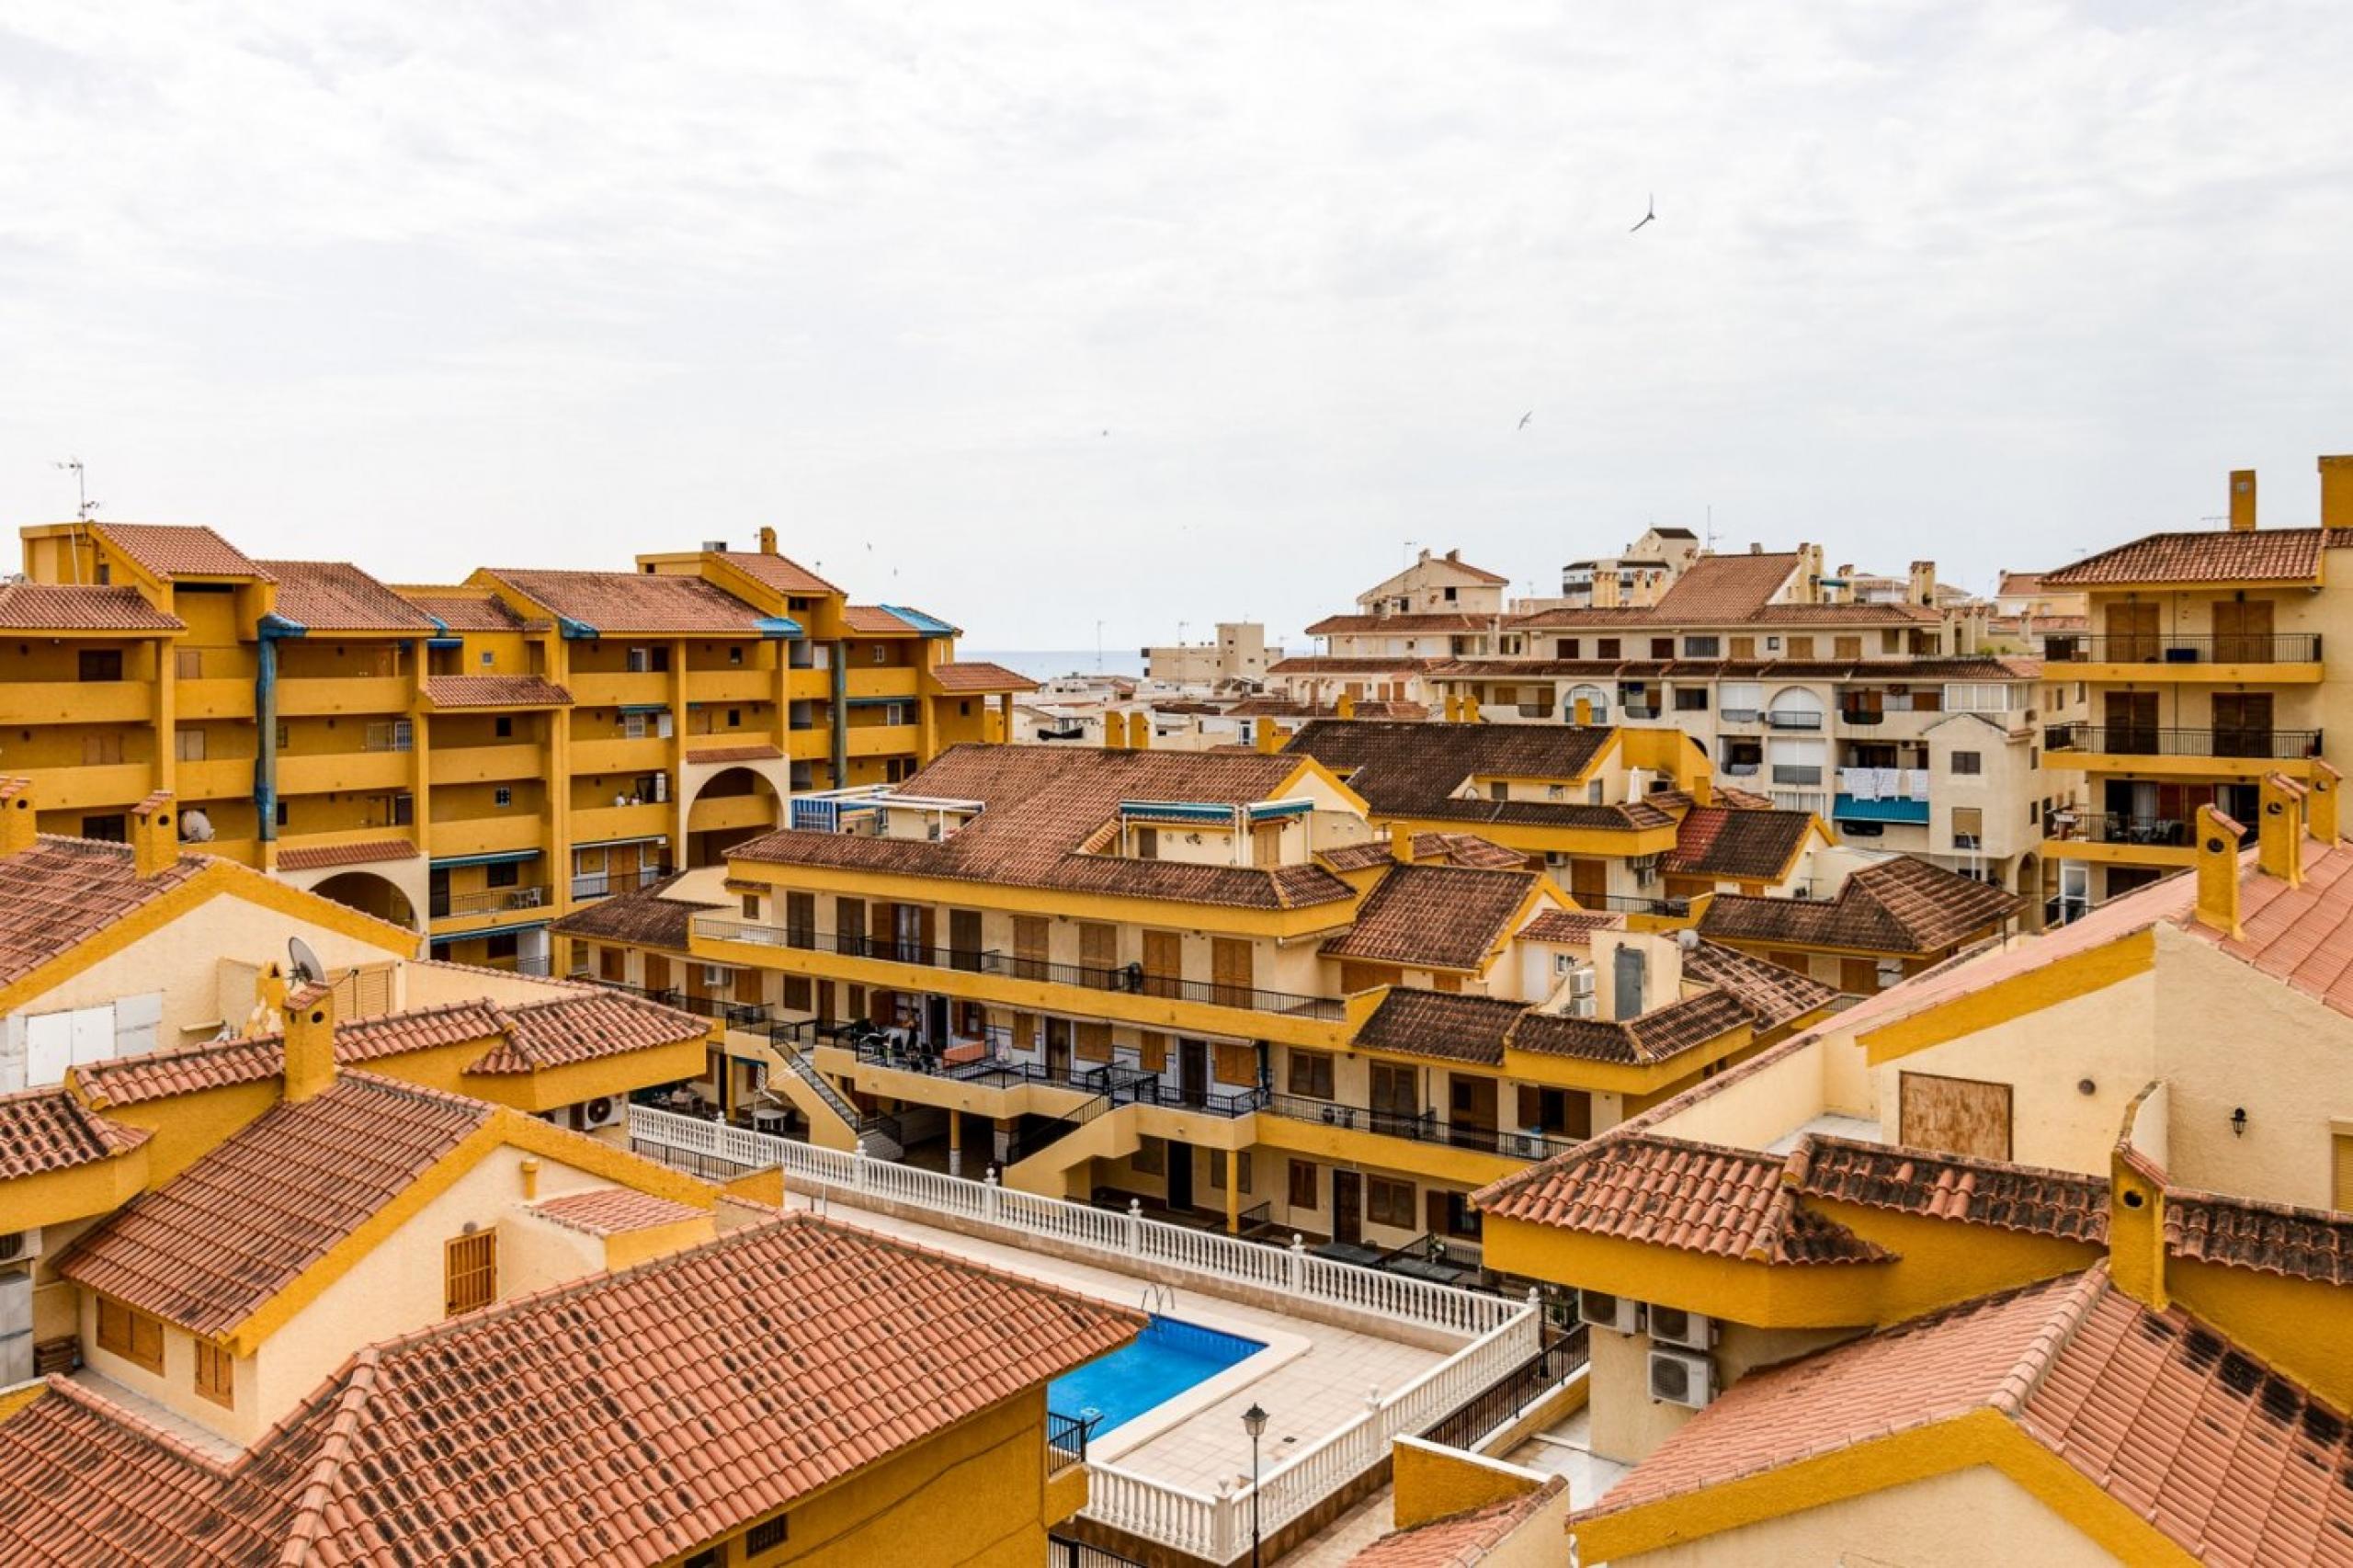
[(2238, 1232), (1348, 664), (651, 1431), (1952, 1187), (2260, 555), (874, 620), (49, 1130), (1362, 857), (45, 607), (2301, 936), (1292, 708), (734, 754), (170, 550), (779, 573), (1452, 1025), (1468, 849), (1657, 1035), (1743, 800), (1772, 995), (594, 1023), (495, 691), (209, 1249), (462, 611), (1666, 1192), (181, 1069), (621, 604), (1725, 587), (1417, 622), (643, 918), (334, 596), (2233, 1461), (1414, 769), (61, 891), (1460, 1540), (1572, 927), (1901, 906), (1043, 804), (1747, 846), (1434, 917), (319, 858), (980, 674), (611, 1210)]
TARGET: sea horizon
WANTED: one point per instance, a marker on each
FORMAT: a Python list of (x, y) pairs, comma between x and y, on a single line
[(1048, 663)]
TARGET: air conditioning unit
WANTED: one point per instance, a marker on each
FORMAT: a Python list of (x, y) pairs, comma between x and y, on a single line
[(1620, 1314), (1680, 1377), (19, 1246), (1582, 1007), (1673, 1325), (1553, 858), (1645, 875), (605, 1110)]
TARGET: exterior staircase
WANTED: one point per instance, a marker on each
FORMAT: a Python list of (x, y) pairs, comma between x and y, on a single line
[(834, 1122)]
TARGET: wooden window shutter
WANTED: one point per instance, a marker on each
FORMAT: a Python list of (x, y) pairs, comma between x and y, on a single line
[(469, 1272), (1847, 647), (1857, 977), (1743, 647), (1094, 1041), (2344, 1141), (1802, 647), (1433, 1212), (1531, 1106), (1237, 1065), (1231, 970), (1030, 937), (657, 972), (882, 924), (1164, 962), (1152, 1051)]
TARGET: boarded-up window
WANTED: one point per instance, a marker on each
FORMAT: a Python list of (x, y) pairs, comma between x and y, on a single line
[(136, 1336), (2344, 1199), (216, 1372), (469, 1272), (1955, 1116)]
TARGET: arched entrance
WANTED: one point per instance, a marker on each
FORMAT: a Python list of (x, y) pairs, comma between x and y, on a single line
[(371, 894), (2029, 886), (734, 804)]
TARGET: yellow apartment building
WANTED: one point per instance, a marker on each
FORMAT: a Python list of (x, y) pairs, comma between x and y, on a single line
[(471, 760), (2208, 661), (1207, 984), (2045, 1246)]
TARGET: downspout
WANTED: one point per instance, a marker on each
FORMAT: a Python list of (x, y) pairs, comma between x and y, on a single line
[(841, 713), (267, 632)]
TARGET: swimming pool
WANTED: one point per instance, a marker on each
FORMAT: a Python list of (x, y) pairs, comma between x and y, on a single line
[(1169, 1356)]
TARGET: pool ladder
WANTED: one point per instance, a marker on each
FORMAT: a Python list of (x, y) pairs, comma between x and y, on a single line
[(1163, 1294)]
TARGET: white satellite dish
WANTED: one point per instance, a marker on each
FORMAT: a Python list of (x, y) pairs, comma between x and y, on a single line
[(195, 827), (308, 969), (1687, 939)]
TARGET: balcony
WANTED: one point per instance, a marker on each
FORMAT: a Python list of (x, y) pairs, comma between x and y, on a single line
[(1638, 711), (2132, 655), (1797, 775), (883, 680), (882, 739), (76, 701), (621, 754), (731, 685), (507, 834), (488, 901), (323, 772), (590, 885), (735, 1015), (481, 765), (595, 825), (1422, 1128), (2137, 740), (1879, 808), (2119, 827), (214, 696), (619, 689), (1742, 716), (1794, 719), (342, 693), (1126, 979), (214, 779)]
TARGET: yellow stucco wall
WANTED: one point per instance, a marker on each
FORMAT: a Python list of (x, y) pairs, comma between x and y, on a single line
[(1628, 1424)]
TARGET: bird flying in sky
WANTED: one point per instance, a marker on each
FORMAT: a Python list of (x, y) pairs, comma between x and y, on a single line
[(1526, 417), (1650, 214)]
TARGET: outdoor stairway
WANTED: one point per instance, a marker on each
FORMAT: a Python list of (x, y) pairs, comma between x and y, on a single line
[(834, 1122)]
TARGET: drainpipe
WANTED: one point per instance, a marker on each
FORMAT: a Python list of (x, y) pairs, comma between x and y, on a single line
[(841, 714), (267, 632)]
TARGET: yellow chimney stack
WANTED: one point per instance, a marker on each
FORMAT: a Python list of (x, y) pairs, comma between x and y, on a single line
[(1115, 730), (1139, 730), (2337, 493), (154, 836), (2280, 835), (2243, 500), (2217, 871), (19, 823), (310, 1042), (2136, 1227), (1401, 844), (1346, 708), (768, 541), (2320, 804)]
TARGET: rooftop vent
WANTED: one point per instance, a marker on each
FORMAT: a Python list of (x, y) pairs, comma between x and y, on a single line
[(715, 546)]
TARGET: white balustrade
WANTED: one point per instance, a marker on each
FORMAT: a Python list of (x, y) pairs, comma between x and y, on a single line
[(1503, 1333)]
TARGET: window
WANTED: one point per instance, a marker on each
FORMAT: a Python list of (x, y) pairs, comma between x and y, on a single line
[(503, 874), (735, 654), (1450, 596), (1701, 647), (751, 904), (1662, 647), (111, 828), (1802, 647), (1978, 698), (2341, 1146), (188, 745), (216, 1372), (1151, 1157), (1564, 647), (1967, 826), (797, 993), (1310, 1074), (101, 663), (1605, 648), (1967, 762), (136, 1336), (734, 718), (280, 815), (707, 1558), (1389, 1202), (765, 1535), (489, 660), (1395, 1090), (1306, 1185), (102, 750), (502, 797), (503, 728), (469, 1272), (1217, 1170), (1461, 1219), (1690, 699)]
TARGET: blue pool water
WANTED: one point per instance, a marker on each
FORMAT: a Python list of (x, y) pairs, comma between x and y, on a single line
[(1162, 1362)]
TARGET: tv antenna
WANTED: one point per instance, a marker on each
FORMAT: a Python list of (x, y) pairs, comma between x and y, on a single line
[(83, 507)]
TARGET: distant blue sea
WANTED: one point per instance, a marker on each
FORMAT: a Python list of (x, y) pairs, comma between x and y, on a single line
[(1048, 663)]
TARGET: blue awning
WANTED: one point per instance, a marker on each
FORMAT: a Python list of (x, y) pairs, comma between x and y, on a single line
[(476, 934), (503, 857), (1848, 809), (929, 625)]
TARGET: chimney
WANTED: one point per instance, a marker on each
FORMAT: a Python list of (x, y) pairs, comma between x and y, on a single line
[(1453, 709), (1605, 588), (1584, 712), (1115, 730), (1755, 548), (1924, 583), (1139, 728), (154, 834), (1345, 707), (1455, 554), (1469, 710), (2217, 871), (2280, 835), (1263, 738), (2319, 804), (768, 541), (310, 1042), (2337, 493), (1401, 844), (2243, 497), (529, 1170), (2136, 1224), (19, 823)]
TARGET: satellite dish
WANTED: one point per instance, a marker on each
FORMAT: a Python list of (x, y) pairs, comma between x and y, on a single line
[(1687, 939), (195, 827), (308, 969)]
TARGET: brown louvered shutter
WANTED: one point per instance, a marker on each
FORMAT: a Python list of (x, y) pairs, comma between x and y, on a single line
[(1094, 1041), (1237, 1065), (1152, 1051), (2344, 1141), (1031, 935), (1164, 962), (1231, 970)]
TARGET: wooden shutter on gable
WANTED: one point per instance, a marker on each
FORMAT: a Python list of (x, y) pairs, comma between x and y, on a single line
[(1955, 1116)]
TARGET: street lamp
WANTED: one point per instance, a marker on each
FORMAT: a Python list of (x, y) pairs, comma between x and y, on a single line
[(1254, 1420)]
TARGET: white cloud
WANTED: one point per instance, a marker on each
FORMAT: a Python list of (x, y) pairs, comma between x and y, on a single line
[(554, 282)]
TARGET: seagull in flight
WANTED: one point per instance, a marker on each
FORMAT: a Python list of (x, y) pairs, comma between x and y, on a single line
[(1526, 417), (1649, 216)]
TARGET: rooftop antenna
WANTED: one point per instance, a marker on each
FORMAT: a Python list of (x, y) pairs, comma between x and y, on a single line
[(83, 507), (1098, 647), (1405, 556), (1711, 527)]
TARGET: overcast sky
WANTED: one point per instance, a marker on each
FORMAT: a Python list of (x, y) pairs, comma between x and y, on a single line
[(1035, 316)]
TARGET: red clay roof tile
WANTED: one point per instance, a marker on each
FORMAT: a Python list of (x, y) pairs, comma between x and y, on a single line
[(334, 596), (611, 1210), (172, 549), (980, 674), (1421, 916), (49, 1130), (319, 858), (635, 603), (49, 607), (61, 891), (1464, 1539), (2258, 555), (495, 691), (1899, 905)]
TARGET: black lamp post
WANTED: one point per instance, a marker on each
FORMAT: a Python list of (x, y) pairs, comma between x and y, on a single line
[(1254, 1420)]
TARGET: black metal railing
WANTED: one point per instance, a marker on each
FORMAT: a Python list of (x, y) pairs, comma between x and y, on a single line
[(1862, 717), (1422, 1128), (604, 884), (1796, 773), (1737, 715), (1639, 710), (2119, 827), (1509, 1396), (1634, 903), (2139, 740), (1131, 979), (1794, 719), (489, 900), (736, 1015), (2151, 648), (1066, 1438)]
